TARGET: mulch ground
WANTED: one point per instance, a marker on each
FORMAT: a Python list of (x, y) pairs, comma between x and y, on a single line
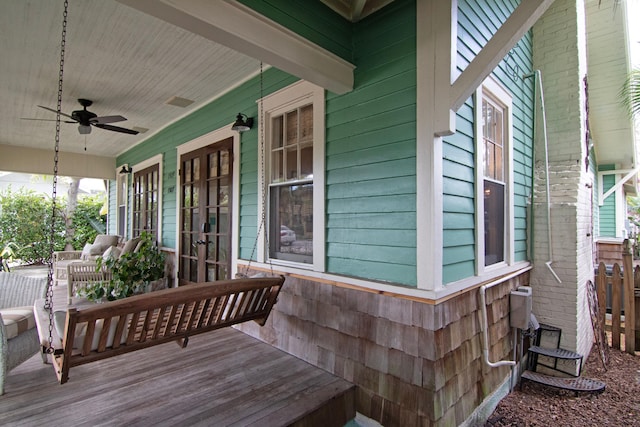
[(538, 405)]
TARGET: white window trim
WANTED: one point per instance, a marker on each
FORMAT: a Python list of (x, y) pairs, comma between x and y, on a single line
[(157, 159), (202, 141), (278, 103), (125, 197), (503, 97)]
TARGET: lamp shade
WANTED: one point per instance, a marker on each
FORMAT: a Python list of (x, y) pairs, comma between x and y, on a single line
[(243, 123)]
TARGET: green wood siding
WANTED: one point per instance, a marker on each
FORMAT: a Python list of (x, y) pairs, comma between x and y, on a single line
[(478, 21), (607, 216), (314, 21), (370, 175), (370, 154)]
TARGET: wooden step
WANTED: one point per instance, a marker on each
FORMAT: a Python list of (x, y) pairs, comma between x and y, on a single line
[(573, 384)]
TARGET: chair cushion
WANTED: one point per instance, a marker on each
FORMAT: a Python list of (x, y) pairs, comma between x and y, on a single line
[(60, 319), (17, 320), (102, 242), (86, 251), (111, 252), (130, 245)]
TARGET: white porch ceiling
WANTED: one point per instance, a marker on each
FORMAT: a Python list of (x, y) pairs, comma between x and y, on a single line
[(126, 61)]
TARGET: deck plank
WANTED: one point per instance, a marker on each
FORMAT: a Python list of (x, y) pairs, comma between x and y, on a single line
[(222, 378)]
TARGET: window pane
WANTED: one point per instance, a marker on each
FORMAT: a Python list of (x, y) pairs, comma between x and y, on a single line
[(276, 134), (291, 224), (494, 224), (306, 162), (292, 127), (277, 168), (292, 162), (306, 122)]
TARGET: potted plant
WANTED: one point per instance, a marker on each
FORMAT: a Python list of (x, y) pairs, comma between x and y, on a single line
[(132, 273)]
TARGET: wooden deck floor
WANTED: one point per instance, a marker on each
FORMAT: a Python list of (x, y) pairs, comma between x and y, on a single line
[(223, 378)]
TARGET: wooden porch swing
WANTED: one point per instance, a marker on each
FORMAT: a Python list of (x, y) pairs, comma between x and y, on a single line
[(99, 331)]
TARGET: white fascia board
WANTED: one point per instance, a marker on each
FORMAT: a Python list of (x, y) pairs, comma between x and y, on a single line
[(40, 162), (242, 29)]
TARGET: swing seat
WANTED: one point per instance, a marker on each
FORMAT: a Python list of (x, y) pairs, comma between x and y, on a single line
[(105, 330)]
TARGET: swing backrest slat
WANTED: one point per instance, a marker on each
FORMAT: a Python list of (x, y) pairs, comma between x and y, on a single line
[(105, 330)]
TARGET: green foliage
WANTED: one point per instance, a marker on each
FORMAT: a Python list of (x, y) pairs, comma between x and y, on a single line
[(25, 220), (630, 93), (130, 273), (87, 220)]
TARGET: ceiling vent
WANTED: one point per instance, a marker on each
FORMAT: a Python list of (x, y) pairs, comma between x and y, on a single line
[(176, 101)]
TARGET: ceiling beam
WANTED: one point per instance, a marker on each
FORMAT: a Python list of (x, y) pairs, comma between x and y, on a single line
[(242, 29), (40, 162)]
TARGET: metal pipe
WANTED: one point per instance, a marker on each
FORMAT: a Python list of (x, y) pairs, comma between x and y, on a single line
[(538, 78), (485, 332)]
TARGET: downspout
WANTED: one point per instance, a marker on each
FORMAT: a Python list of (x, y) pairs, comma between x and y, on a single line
[(538, 79)]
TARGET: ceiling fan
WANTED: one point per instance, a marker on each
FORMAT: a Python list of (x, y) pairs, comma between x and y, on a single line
[(86, 119)]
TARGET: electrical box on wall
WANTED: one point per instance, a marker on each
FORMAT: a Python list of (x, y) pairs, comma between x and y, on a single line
[(520, 303)]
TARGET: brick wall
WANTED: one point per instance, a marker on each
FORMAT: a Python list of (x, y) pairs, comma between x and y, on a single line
[(415, 362), (560, 54)]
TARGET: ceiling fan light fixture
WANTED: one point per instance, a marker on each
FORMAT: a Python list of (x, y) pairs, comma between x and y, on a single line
[(84, 129), (243, 123)]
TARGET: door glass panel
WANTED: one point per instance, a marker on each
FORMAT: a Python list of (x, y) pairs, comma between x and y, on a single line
[(224, 163), (213, 192), (193, 270), (186, 169), (223, 194), (213, 165), (195, 221), (196, 169), (211, 273), (223, 248), (223, 271), (211, 248), (223, 220)]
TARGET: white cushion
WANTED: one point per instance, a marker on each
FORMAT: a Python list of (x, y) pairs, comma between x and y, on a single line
[(86, 251), (111, 252), (17, 320), (130, 245), (60, 318)]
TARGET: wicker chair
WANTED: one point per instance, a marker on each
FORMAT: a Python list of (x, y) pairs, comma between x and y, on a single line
[(18, 334)]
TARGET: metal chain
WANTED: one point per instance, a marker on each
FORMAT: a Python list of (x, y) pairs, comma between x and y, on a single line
[(262, 171), (49, 299)]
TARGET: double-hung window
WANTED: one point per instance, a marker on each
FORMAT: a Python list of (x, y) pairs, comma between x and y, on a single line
[(294, 160), (494, 199)]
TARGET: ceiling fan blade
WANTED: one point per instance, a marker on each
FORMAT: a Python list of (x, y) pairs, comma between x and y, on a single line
[(46, 120), (56, 111), (107, 119), (115, 128)]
